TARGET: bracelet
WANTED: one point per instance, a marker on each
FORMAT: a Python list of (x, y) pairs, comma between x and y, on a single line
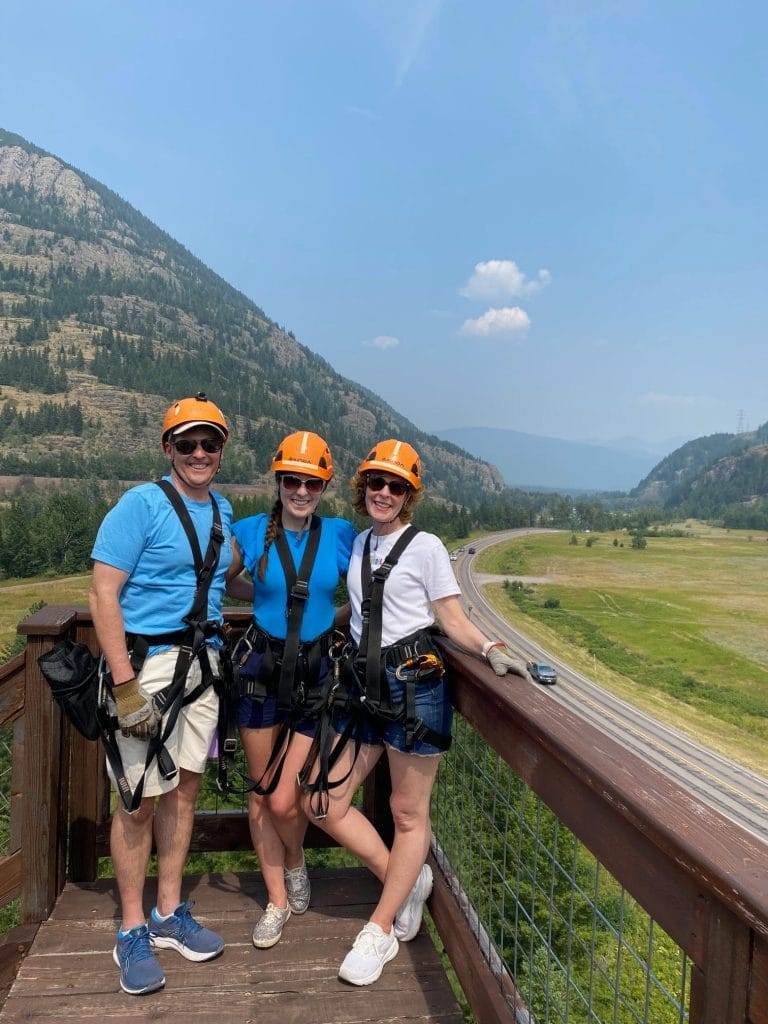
[(490, 644)]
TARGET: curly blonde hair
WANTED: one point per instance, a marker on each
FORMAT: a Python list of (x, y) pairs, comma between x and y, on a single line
[(357, 486)]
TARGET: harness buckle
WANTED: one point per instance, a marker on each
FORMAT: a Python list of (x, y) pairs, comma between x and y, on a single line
[(383, 571), (217, 534), (229, 746), (300, 590)]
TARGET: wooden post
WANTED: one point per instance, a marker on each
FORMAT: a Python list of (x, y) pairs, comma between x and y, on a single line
[(41, 839), (719, 989)]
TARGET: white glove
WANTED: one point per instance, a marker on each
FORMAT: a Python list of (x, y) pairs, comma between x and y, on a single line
[(502, 662)]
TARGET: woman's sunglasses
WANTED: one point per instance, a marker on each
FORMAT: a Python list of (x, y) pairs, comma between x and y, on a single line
[(185, 445), (397, 488), (293, 483)]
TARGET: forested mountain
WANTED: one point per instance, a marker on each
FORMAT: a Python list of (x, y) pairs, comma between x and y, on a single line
[(104, 318), (722, 476)]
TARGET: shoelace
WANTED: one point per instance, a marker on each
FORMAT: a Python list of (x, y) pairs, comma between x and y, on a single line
[(187, 924), (367, 942), (297, 874), (136, 946), (272, 913)]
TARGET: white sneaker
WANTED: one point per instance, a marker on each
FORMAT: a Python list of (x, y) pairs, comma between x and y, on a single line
[(371, 949), (408, 919)]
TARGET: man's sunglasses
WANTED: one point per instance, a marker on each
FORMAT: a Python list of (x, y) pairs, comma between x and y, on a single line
[(293, 483), (186, 446), (397, 488)]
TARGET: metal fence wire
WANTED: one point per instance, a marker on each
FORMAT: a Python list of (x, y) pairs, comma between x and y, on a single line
[(6, 759), (547, 914)]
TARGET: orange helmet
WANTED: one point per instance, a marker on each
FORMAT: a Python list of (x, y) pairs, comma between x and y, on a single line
[(199, 411), (396, 457), (303, 452)]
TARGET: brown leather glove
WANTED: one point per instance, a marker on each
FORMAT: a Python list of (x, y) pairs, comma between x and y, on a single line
[(137, 715), (501, 661)]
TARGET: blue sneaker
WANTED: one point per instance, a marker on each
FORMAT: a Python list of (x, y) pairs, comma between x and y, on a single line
[(182, 932), (140, 971)]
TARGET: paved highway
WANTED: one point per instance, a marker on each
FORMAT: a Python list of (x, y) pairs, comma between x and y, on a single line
[(735, 791)]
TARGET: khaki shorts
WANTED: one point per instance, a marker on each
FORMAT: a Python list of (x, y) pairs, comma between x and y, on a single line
[(191, 738)]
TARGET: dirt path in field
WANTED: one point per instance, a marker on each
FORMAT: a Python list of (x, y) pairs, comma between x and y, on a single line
[(42, 583)]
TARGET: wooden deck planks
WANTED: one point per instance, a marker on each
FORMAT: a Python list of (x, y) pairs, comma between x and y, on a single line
[(69, 974)]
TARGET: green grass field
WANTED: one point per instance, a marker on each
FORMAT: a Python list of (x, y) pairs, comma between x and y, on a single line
[(680, 628), (17, 596)]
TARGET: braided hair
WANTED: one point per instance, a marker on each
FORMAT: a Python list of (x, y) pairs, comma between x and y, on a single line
[(274, 526)]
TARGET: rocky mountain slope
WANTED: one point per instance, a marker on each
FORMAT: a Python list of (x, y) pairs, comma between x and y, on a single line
[(708, 474), (104, 318)]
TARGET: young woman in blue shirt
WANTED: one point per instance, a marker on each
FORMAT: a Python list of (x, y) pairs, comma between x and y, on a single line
[(274, 551)]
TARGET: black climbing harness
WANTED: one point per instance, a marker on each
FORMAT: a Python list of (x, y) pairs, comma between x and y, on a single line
[(362, 688), (287, 668), (192, 644)]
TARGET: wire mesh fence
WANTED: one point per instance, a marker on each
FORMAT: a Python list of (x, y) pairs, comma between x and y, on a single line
[(577, 946), (6, 766), (10, 914)]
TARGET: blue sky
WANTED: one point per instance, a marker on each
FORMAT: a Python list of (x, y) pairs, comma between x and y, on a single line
[(549, 216)]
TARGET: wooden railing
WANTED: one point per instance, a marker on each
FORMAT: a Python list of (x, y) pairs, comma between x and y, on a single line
[(701, 877)]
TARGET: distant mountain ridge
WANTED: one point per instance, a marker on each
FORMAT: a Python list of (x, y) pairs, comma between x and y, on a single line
[(104, 318), (532, 460), (710, 475)]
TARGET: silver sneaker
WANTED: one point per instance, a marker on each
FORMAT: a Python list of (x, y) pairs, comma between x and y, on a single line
[(408, 919), (270, 925), (298, 888)]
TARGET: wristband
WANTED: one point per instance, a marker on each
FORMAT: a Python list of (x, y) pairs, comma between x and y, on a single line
[(490, 644)]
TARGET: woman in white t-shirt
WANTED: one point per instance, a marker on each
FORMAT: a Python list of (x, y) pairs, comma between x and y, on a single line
[(395, 677)]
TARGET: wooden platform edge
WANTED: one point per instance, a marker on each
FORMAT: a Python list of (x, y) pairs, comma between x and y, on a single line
[(483, 990), (14, 946)]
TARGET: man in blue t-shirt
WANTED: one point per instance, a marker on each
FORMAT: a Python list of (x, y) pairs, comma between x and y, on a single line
[(144, 583)]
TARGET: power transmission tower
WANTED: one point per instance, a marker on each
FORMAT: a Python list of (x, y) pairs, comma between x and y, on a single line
[(740, 427)]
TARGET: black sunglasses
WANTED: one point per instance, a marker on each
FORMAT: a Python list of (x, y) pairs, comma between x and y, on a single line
[(293, 483), (397, 488), (185, 445)]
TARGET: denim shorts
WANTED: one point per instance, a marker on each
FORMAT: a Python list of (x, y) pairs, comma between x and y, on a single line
[(433, 707), (254, 714)]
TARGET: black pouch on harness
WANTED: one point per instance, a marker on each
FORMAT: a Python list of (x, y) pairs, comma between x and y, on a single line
[(71, 671)]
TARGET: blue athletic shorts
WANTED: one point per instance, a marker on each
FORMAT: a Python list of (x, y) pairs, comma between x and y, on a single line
[(251, 714), (254, 714)]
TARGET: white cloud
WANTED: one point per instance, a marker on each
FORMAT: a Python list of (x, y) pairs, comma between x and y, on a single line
[(498, 322), (366, 112), (660, 398), (502, 279), (382, 341), (423, 14)]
